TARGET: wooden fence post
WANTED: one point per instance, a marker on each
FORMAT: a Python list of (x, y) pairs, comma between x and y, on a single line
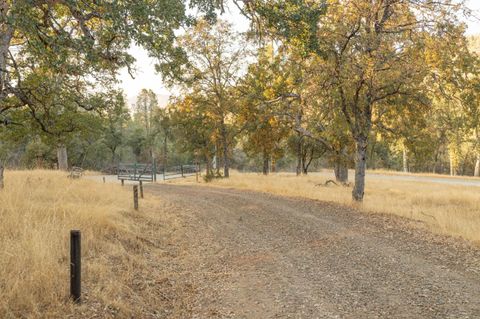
[(104, 179), (141, 189), (135, 197), (123, 182), (181, 169), (75, 265)]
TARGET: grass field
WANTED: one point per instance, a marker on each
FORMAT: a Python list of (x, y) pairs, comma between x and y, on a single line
[(37, 211), (446, 209), (398, 173)]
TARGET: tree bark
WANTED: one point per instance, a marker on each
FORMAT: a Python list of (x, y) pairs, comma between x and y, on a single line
[(360, 168), (165, 150), (266, 160), (405, 160), (62, 157), (226, 164), (114, 153), (477, 167), (435, 161), (340, 169), (453, 170), (299, 155), (5, 39), (306, 163), (208, 168)]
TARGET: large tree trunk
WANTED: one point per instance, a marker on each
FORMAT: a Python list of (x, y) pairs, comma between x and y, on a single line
[(306, 163), (477, 167), (435, 161), (226, 164), (5, 39), (453, 169), (209, 171), (62, 157), (372, 153), (266, 160), (299, 155), (1, 176), (360, 168), (405, 160), (114, 153), (340, 169), (454, 155), (165, 150)]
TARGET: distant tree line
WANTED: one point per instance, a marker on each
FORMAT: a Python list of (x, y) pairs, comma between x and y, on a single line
[(343, 84)]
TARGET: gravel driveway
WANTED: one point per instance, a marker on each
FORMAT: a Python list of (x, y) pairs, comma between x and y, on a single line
[(257, 255)]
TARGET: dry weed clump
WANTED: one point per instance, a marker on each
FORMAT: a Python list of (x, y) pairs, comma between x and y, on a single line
[(37, 211), (447, 209)]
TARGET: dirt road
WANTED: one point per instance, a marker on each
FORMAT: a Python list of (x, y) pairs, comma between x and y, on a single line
[(254, 255)]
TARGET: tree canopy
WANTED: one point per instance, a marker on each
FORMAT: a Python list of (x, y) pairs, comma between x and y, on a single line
[(344, 84)]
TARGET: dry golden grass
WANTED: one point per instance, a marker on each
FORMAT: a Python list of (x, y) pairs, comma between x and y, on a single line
[(397, 173), (37, 211), (446, 209)]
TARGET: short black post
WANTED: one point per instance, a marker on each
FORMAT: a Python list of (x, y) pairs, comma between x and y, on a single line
[(123, 182), (163, 172), (104, 179), (181, 169), (141, 189), (135, 197), (75, 265)]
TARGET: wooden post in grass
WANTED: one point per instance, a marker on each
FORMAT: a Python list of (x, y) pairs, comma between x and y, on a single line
[(135, 197), (181, 169), (123, 183), (141, 189), (75, 265)]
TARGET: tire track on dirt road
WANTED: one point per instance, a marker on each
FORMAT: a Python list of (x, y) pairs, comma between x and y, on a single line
[(264, 256)]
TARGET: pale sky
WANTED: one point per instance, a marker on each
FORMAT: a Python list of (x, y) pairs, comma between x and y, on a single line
[(145, 76)]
